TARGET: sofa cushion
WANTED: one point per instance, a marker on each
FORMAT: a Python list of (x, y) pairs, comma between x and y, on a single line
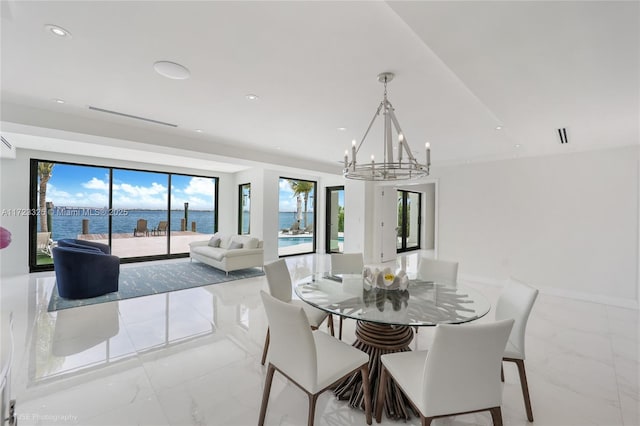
[(214, 241), (216, 253), (225, 239), (247, 241), (235, 245)]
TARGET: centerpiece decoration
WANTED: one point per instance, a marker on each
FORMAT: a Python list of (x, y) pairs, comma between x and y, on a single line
[(385, 279)]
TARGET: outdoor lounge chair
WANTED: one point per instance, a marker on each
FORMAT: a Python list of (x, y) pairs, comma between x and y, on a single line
[(141, 228), (295, 228), (44, 243), (161, 229)]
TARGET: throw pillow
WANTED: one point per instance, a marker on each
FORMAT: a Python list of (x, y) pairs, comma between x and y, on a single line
[(235, 245), (214, 241)]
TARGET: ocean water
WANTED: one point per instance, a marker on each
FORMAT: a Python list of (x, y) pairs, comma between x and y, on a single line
[(67, 223)]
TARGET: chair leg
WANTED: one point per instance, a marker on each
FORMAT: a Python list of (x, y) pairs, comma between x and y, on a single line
[(496, 415), (265, 394), (340, 331), (312, 408), (501, 372), (266, 347), (426, 421), (525, 388), (330, 320), (364, 371), (381, 394)]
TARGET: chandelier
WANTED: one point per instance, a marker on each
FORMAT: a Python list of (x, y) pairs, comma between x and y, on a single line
[(401, 168)]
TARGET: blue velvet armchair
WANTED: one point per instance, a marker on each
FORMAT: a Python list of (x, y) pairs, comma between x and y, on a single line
[(84, 269)]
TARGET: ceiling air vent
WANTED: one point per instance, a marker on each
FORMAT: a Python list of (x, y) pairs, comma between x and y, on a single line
[(122, 114), (563, 135), (6, 142)]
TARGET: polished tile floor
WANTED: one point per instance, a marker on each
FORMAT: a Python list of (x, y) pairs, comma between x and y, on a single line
[(193, 358)]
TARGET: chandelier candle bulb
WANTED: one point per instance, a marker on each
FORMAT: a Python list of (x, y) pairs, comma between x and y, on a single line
[(400, 139), (373, 162), (353, 152), (346, 158), (428, 148)]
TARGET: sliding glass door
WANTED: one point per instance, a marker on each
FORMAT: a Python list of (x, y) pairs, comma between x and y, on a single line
[(297, 217), (143, 195), (409, 222), (127, 209)]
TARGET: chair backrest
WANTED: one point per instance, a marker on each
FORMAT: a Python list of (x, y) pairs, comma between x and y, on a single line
[(279, 280), (516, 301), (440, 271), (462, 369), (141, 225), (162, 226), (347, 263), (292, 348)]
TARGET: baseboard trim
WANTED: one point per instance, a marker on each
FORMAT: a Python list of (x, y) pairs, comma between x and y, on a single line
[(569, 294)]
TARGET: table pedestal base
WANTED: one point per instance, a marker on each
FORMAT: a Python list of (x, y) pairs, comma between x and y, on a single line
[(376, 340)]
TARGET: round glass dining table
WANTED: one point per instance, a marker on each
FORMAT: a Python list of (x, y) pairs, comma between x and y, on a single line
[(385, 322)]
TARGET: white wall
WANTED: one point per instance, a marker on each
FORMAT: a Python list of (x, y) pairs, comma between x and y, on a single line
[(567, 224)]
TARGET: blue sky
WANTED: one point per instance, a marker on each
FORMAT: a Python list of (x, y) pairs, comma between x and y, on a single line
[(83, 186), (288, 201)]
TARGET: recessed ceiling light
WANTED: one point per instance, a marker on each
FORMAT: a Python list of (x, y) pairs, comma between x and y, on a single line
[(342, 129), (59, 101), (251, 97), (172, 70), (498, 127), (58, 31), (517, 145), (199, 130)]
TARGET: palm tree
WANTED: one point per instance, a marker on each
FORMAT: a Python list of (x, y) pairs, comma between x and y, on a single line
[(44, 174), (302, 188)]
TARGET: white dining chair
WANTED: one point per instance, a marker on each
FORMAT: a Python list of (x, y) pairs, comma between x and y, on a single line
[(516, 301), (459, 374), (280, 287), (346, 263), (440, 271), (312, 360)]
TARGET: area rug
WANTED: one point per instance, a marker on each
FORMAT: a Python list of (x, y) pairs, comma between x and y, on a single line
[(154, 279)]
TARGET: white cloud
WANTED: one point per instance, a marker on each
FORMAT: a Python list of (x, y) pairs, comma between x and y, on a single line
[(96, 183), (202, 186)]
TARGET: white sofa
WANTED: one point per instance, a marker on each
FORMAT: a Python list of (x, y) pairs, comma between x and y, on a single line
[(249, 255)]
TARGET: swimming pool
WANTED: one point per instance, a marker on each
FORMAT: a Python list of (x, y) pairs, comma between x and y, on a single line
[(294, 241)]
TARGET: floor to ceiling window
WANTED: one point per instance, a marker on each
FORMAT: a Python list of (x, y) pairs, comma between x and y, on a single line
[(244, 209), (296, 217), (67, 201), (409, 214), (335, 219), (193, 210), (144, 197), (126, 209)]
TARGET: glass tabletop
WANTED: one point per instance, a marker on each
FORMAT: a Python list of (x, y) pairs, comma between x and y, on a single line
[(423, 303)]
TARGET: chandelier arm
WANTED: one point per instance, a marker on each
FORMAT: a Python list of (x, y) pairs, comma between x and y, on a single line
[(388, 144), (404, 142), (370, 125)]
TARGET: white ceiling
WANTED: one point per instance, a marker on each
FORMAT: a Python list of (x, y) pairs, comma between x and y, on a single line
[(462, 68)]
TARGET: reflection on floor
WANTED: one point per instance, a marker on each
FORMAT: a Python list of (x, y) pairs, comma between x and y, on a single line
[(193, 358)]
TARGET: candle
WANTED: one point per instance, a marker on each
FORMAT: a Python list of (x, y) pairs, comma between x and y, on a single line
[(373, 162), (353, 151), (428, 148), (400, 140), (346, 158)]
